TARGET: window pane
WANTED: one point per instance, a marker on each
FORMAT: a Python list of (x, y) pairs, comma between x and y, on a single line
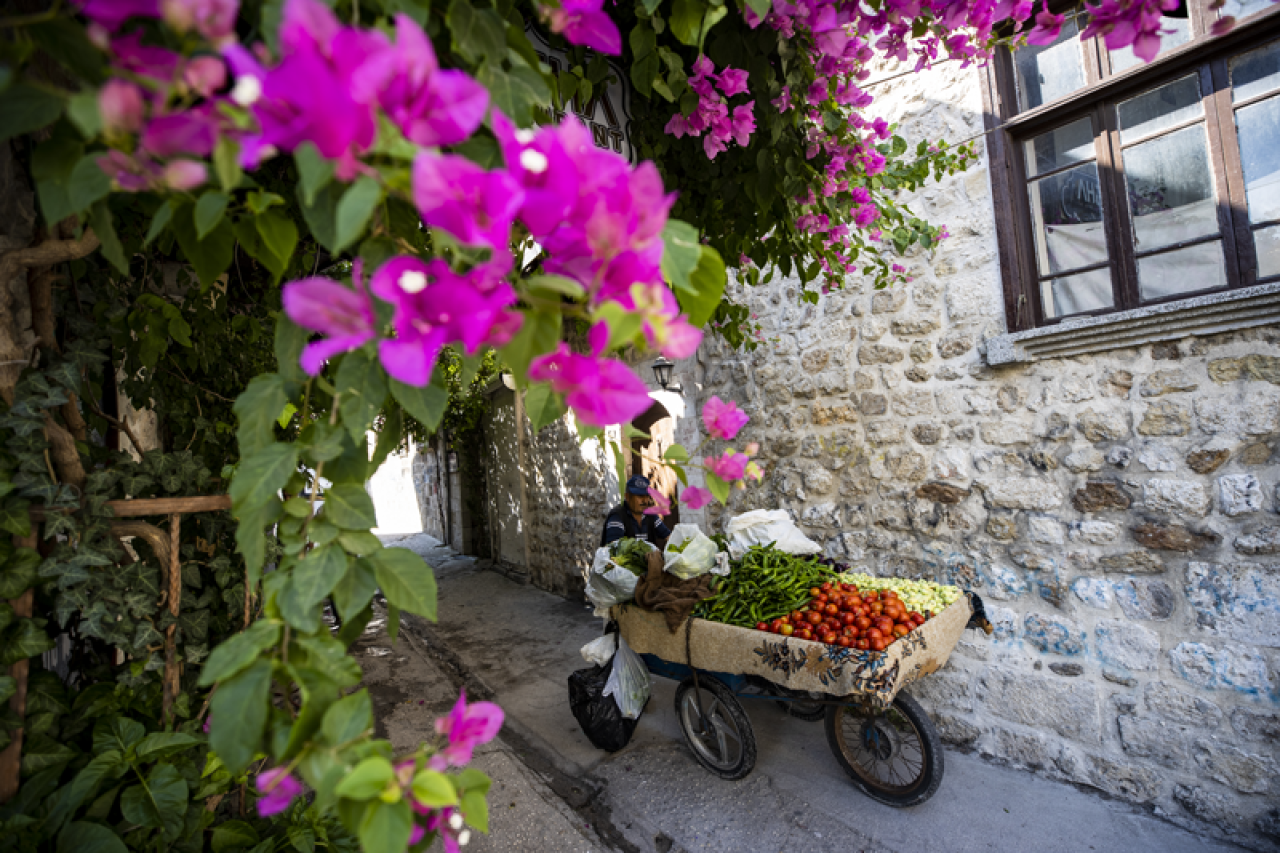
[(1088, 291), (1166, 106), (1124, 58), (1066, 213), (1258, 128), (1171, 196), (1048, 72), (1242, 8), (1183, 271), (1061, 147), (1256, 72), (1267, 241)]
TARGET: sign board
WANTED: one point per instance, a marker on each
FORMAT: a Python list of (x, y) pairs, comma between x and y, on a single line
[(607, 114)]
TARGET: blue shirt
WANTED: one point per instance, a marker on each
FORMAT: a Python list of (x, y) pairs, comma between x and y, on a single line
[(621, 523)]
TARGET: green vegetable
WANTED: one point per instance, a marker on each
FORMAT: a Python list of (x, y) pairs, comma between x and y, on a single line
[(765, 584), (918, 595), (632, 555)]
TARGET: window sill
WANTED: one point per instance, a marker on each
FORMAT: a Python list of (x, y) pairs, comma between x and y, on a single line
[(1202, 315)]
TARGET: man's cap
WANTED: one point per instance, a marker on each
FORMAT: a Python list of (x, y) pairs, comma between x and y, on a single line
[(638, 486)]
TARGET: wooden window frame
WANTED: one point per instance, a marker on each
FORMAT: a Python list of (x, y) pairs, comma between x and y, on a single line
[(1008, 128)]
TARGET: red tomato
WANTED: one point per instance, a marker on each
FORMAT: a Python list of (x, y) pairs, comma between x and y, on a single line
[(776, 625), (862, 622), (824, 598), (901, 630), (831, 610), (879, 645), (844, 642), (874, 633), (787, 630), (796, 616), (814, 592), (829, 639), (863, 644), (915, 617), (847, 618), (826, 586), (762, 626), (813, 617), (804, 634)]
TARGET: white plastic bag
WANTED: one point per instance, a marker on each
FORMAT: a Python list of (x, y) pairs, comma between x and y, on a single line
[(697, 558), (599, 650), (762, 526), (628, 682), (608, 583)]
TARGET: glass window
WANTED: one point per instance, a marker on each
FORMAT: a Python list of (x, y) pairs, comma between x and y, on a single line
[(1267, 241), (1255, 73), (1243, 8), (1170, 189), (1173, 32), (1182, 271), (1160, 109), (1072, 294), (1047, 72), (1066, 212), (1258, 128), (1072, 143)]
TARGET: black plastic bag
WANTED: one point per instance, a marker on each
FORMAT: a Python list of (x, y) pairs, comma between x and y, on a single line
[(601, 720)]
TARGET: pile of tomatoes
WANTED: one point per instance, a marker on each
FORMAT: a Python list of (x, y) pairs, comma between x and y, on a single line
[(839, 614)]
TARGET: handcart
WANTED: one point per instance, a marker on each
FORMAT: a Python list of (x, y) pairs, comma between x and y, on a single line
[(882, 738)]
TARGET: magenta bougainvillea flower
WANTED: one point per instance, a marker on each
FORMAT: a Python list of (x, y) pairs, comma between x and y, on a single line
[(430, 106), (185, 175), (584, 22), (215, 20), (344, 314), (278, 788), (467, 727), (661, 504), (541, 164), (723, 420), (728, 466), (695, 497), (193, 131), (435, 307), (476, 206), (205, 75), (601, 391), (112, 13), (122, 108)]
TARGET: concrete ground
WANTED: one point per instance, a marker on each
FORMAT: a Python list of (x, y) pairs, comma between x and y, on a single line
[(517, 645)]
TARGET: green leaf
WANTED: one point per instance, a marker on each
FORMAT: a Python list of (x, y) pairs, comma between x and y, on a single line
[(543, 406), (478, 34), (233, 835), (159, 222), (51, 166), (624, 325), (354, 210), (405, 580), (251, 539), (160, 803), (426, 405), (302, 838), (82, 109), (760, 7), (355, 589), (556, 285), (359, 541), (362, 383), (539, 334), (41, 752), (706, 287), (434, 789), (393, 621), (159, 745), (120, 734), (348, 718), (680, 253), (475, 809), (26, 108), (314, 172), (226, 163), (236, 653), (676, 453), (350, 507), (279, 235), (718, 487), (516, 92), (209, 210), (286, 415), (104, 227), (290, 339), (24, 640), (315, 576), (87, 183), (85, 837), (386, 826), (110, 763), (258, 406), (239, 708), (211, 256), (14, 518), (8, 687), (686, 20), (68, 42), (263, 474), (365, 781), (319, 214)]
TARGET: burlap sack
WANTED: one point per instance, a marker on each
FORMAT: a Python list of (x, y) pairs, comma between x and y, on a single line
[(800, 664)]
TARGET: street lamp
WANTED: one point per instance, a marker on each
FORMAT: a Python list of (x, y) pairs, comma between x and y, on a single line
[(662, 372)]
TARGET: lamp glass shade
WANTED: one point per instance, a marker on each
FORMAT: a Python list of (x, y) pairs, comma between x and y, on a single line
[(662, 371)]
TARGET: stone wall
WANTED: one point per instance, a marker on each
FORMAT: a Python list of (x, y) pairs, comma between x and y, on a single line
[(1117, 511)]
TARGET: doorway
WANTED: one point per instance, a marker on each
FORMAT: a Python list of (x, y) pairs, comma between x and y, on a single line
[(646, 453)]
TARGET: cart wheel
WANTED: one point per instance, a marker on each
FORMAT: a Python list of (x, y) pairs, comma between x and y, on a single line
[(810, 712), (721, 738), (894, 756)]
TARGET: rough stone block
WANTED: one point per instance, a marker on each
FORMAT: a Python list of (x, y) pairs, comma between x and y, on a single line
[(1179, 706), (1241, 602), (1106, 425), (927, 433), (1208, 807), (1146, 599), (921, 351), (1263, 368), (1084, 460), (1053, 426), (1179, 497), (950, 689), (1066, 670), (1117, 383), (1025, 750), (1032, 560), (1093, 532), (1128, 646), (1094, 592), (816, 360), (1158, 457), (1002, 528), (915, 326), (1166, 418), (873, 404), (1045, 530), (1069, 708), (1258, 453), (1261, 726), (906, 465), (1019, 493), (1002, 584), (1143, 737), (1128, 782), (1246, 772), (1100, 495), (1206, 460), (1239, 494), (1120, 457), (1173, 537), (879, 354), (1269, 824), (954, 344), (1167, 382), (912, 402), (1225, 667), (842, 413), (942, 493), (888, 300), (1254, 414), (1135, 562), (884, 432), (1005, 433), (956, 731), (1053, 635)]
